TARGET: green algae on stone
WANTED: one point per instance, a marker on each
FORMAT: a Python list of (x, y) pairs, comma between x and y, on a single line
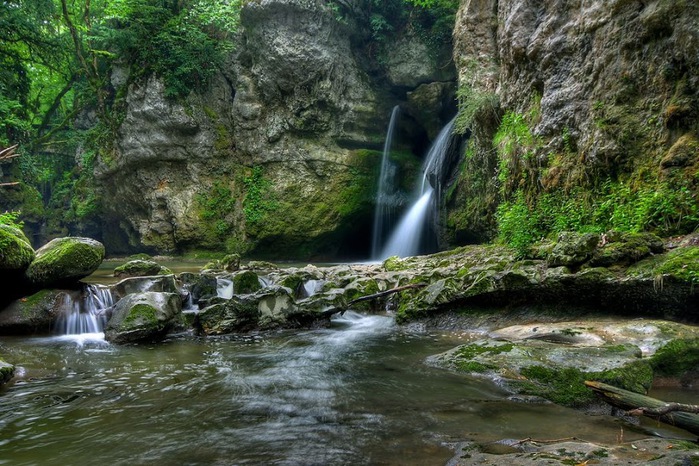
[(15, 251), (246, 282)]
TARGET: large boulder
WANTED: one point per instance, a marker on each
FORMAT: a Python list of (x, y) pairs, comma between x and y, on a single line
[(37, 313), (65, 260), (143, 317), (15, 251)]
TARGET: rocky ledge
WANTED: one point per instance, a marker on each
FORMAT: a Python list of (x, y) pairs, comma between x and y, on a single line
[(540, 325)]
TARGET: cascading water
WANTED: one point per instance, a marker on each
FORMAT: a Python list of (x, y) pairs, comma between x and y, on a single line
[(386, 193), (87, 315), (407, 238)]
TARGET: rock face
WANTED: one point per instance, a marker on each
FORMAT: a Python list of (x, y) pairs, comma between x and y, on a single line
[(279, 156), (65, 260), (606, 89)]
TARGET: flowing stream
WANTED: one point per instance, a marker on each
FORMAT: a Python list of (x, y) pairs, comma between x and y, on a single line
[(356, 393)]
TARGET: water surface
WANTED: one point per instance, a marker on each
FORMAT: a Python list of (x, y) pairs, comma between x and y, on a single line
[(356, 393)]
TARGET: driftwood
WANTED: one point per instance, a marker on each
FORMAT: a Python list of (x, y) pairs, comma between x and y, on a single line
[(637, 404), (8, 152)]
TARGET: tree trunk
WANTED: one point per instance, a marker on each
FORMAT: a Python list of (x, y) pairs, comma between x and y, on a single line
[(631, 401)]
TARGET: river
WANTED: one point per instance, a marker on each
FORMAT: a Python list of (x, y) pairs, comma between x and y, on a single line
[(358, 392)]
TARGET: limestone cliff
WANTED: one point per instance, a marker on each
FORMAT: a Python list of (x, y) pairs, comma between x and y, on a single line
[(602, 95), (280, 154)]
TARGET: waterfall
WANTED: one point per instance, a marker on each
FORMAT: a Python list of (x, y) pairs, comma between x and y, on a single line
[(385, 197), (87, 316), (224, 288), (407, 238)]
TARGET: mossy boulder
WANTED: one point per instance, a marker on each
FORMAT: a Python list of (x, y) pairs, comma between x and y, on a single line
[(572, 249), (15, 251), (65, 260), (553, 371), (239, 314), (229, 263), (143, 317), (246, 282), (626, 248), (158, 283), (140, 268), (37, 313), (7, 371)]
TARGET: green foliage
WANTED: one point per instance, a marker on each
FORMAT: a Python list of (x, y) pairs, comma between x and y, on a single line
[(185, 43), (471, 102), (258, 199), (517, 225), (12, 219), (613, 206)]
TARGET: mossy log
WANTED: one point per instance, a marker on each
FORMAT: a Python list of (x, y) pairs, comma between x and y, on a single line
[(641, 404)]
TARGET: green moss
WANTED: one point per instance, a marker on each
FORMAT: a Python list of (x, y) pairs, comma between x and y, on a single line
[(15, 251), (141, 315), (475, 367), (565, 386), (470, 351), (246, 282), (682, 263), (677, 358)]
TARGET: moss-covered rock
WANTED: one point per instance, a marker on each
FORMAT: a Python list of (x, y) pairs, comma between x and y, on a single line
[(15, 251), (572, 249), (37, 313), (246, 282), (677, 358), (553, 371), (626, 248), (143, 317), (140, 268), (65, 260)]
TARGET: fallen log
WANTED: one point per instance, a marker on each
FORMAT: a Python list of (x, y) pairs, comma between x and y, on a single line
[(636, 404)]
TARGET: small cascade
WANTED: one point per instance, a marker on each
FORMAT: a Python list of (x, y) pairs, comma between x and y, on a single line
[(87, 316), (224, 288), (386, 201), (409, 235)]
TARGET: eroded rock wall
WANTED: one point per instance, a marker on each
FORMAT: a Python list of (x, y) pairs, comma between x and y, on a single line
[(608, 89), (280, 155)]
